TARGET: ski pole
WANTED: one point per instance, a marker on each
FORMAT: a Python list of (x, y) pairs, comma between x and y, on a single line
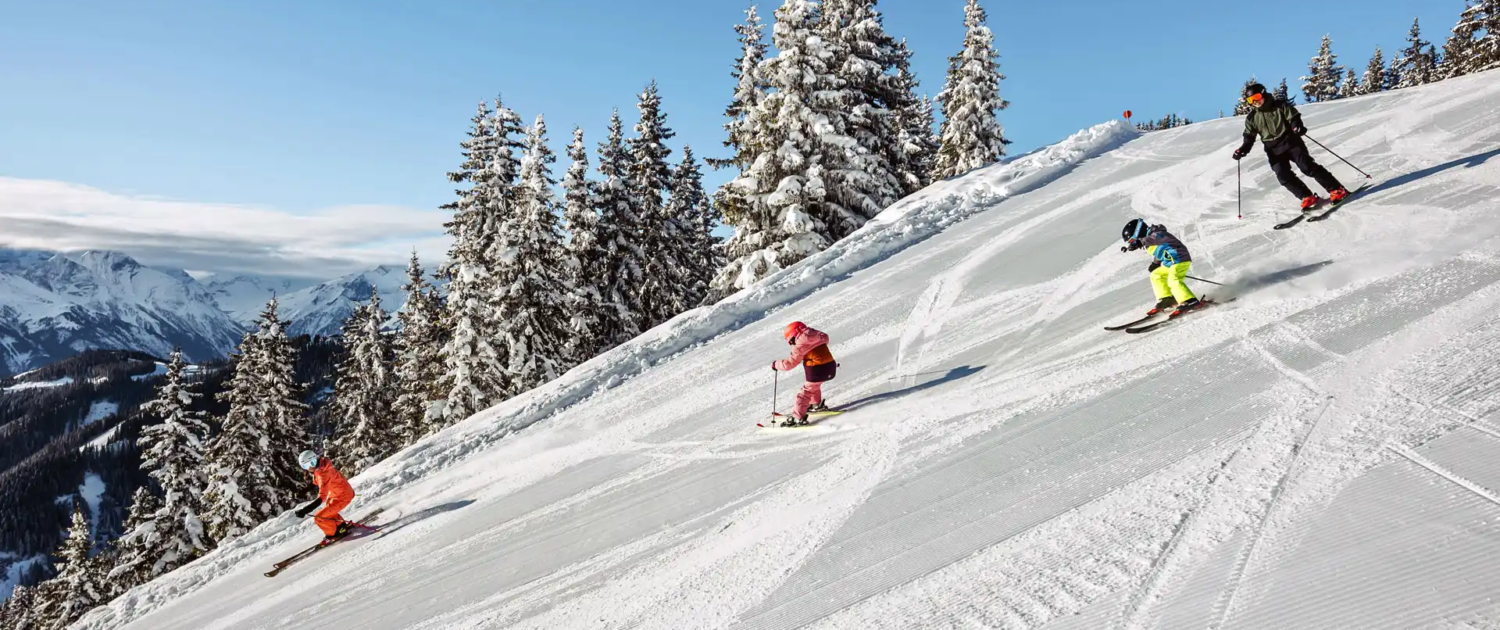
[(1239, 191), (775, 382), (1208, 281), (1340, 157)]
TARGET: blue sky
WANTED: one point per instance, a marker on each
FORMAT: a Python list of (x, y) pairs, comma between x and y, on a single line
[(298, 107)]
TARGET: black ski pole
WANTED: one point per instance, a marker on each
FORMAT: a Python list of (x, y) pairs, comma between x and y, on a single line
[(1340, 157), (1239, 191), (775, 382), (1208, 281)]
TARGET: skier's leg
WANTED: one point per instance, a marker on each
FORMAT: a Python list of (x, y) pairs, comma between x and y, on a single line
[(1177, 281), (1281, 164), (809, 394), (328, 518), (1159, 283), (1305, 163)]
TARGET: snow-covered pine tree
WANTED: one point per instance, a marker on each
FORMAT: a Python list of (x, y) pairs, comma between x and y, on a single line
[(664, 240), (1415, 65), (80, 583), (1374, 79), (786, 212), (1479, 52), (690, 208), (473, 377), (1458, 51), (17, 610), (172, 455), (582, 256), (363, 390), (919, 142), (1323, 74), (281, 411), (869, 92), (240, 491), (419, 358), (1351, 86), (45, 603), (749, 89), (619, 238), (1284, 94), (971, 134), (531, 284), (132, 568), (1241, 107)]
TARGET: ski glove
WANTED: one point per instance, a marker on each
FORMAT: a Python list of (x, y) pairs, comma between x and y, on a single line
[(303, 511), (1299, 131), (1154, 265), (1239, 153)]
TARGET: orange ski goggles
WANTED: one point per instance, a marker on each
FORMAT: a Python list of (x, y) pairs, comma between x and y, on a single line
[(1255, 99)]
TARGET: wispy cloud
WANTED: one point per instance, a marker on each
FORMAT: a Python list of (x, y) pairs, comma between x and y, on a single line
[(221, 238)]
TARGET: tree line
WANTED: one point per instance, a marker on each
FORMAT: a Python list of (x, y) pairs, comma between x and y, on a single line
[(1473, 45)]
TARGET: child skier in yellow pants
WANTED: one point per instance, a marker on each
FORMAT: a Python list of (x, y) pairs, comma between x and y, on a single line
[(1170, 262)]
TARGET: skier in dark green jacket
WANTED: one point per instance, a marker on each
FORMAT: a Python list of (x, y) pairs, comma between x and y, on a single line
[(1280, 128)]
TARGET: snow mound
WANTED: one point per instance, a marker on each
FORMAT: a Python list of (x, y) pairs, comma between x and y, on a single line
[(1301, 457)]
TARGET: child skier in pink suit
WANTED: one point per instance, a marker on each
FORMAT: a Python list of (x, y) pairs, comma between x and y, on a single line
[(810, 350)]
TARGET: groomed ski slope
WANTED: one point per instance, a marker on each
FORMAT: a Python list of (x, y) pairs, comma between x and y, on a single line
[(1322, 453)]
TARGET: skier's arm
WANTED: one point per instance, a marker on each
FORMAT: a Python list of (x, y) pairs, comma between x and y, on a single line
[(1295, 118), (1249, 137), (805, 344), (303, 511)]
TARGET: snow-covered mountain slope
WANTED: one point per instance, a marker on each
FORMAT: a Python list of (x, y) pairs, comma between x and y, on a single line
[(321, 309), (54, 306), (244, 296), (1320, 453)]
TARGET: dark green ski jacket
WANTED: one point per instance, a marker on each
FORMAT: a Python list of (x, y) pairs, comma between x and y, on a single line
[(1273, 123)]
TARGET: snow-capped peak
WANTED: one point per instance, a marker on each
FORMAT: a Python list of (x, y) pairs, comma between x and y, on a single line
[(54, 305)]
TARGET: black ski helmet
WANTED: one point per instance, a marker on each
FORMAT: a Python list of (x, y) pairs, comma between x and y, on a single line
[(1135, 229), (1253, 88)]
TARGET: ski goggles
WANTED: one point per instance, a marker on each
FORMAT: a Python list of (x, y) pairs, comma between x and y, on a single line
[(1255, 99)]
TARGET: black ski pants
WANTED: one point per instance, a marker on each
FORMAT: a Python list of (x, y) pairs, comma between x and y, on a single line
[(1292, 150)]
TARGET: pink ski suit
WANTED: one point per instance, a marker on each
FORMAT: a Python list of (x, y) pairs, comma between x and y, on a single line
[(810, 350)]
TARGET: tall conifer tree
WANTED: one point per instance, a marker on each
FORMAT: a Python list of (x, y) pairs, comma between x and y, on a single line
[(971, 134)]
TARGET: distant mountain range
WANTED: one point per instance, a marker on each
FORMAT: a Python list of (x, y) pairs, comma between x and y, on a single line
[(54, 305)]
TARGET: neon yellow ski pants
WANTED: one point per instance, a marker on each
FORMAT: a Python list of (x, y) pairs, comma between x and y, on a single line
[(1168, 281)]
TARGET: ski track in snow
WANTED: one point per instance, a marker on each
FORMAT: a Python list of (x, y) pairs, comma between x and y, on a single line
[(1004, 463)]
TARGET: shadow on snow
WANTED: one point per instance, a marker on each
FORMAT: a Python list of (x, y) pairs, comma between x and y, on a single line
[(423, 515), (949, 376)]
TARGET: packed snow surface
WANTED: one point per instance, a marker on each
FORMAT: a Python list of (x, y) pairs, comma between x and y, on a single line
[(100, 410), (102, 441), (1322, 452), (14, 568), (66, 380), (159, 370)]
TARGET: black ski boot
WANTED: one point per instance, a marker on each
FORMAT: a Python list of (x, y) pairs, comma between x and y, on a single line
[(1189, 305), (1162, 305), (821, 406)]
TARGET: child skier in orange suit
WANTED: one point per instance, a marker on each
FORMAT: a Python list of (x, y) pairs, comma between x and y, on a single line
[(810, 350), (334, 494)]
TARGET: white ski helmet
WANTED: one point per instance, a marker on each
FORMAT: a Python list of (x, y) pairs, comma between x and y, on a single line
[(308, 460)]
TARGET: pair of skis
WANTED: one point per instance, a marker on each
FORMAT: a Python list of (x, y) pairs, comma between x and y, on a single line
[(305, 553), (782, 421), (1150, 323), (1318, 214)]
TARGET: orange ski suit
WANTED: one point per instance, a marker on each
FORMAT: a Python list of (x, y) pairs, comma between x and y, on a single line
[(335, 493)]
